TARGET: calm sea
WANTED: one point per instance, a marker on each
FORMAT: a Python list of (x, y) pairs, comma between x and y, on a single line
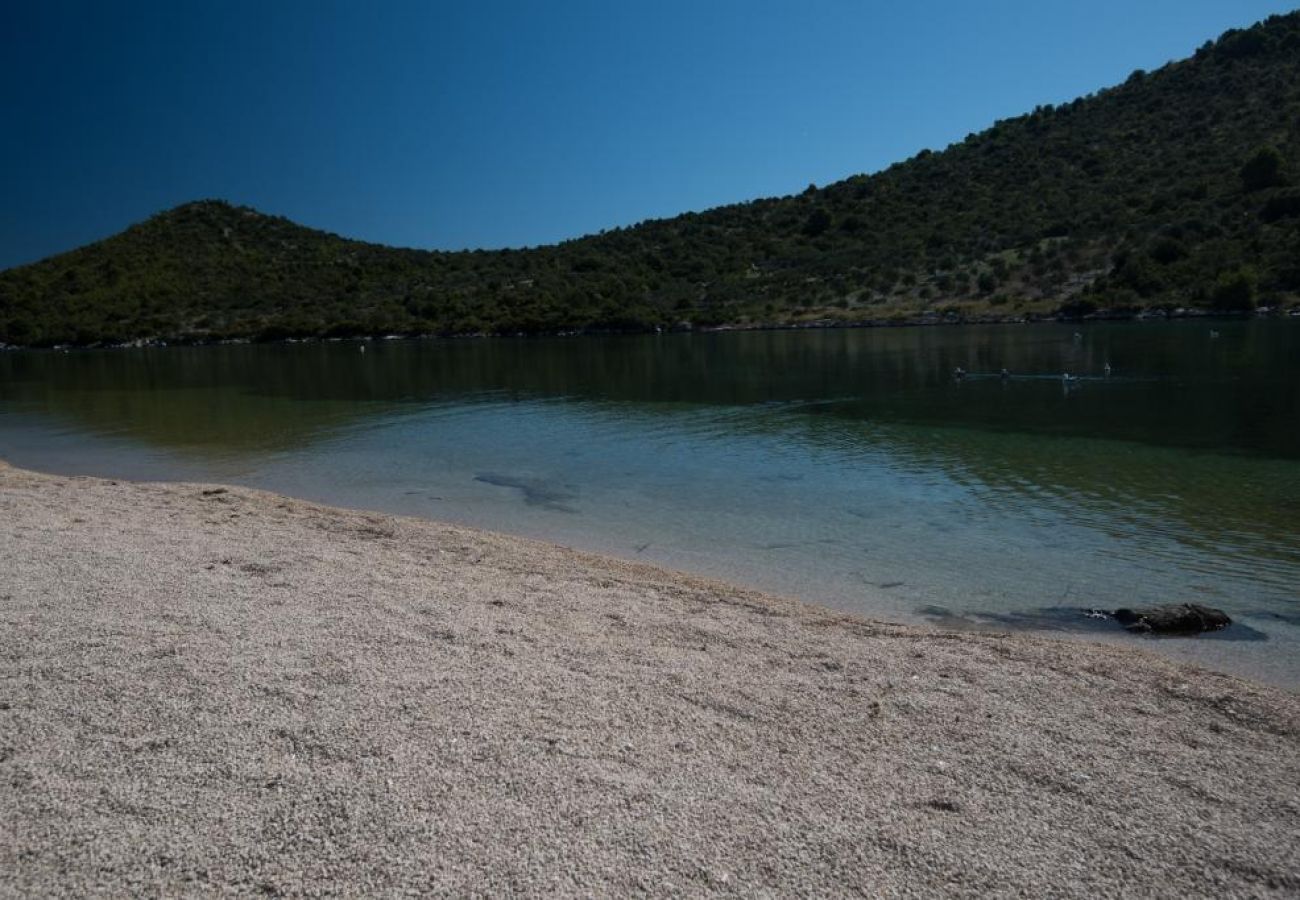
[(846, 467)]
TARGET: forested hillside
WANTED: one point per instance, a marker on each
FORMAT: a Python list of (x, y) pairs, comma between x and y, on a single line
[(1178, 188)]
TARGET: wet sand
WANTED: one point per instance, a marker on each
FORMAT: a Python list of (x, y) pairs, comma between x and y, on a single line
[(210, 690)]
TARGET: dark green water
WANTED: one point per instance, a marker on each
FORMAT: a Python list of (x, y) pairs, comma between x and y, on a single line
[(848, 467)]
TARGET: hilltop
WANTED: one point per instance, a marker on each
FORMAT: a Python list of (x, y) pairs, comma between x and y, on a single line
[(1178, 188)]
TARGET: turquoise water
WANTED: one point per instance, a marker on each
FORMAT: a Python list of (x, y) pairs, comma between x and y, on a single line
[(845, 467)]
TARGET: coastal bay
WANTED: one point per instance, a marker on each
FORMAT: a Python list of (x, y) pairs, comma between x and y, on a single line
[(650, 450)]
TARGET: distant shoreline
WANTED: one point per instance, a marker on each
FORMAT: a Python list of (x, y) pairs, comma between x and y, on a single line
[(923, 321)]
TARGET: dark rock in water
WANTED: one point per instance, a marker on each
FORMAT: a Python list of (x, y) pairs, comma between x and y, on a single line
[(1209, 624), (1185, 618)]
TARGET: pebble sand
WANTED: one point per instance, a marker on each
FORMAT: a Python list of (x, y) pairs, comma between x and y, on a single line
[(209, 691)]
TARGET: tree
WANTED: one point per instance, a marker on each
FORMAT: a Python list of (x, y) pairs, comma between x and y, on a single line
[(18, 330), (818, 221), (1235, 290), (1263, 170), (1166, 250), (1285, 205)]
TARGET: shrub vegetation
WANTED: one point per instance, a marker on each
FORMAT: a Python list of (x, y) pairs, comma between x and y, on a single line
[(1175, 188)]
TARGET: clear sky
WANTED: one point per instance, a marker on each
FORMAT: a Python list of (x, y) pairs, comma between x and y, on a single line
[(491, 123)]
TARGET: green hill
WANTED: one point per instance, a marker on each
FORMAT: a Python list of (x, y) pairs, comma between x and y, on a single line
[(1178, 188)]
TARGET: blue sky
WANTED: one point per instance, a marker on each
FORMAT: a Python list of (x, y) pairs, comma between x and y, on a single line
[(490, 124)]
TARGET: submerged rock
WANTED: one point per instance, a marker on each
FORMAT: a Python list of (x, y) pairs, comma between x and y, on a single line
[(1184, 618)]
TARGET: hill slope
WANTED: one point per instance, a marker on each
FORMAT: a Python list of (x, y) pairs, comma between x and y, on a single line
[(1176, 188)]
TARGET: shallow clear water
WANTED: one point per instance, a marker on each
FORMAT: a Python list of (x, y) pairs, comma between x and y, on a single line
[(845, 467)]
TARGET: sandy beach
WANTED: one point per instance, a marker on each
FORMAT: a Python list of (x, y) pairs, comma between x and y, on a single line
[(211, 690)]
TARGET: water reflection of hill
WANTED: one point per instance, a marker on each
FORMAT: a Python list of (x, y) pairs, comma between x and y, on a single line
[(1173, 385), (203, 401), (1217, 505)]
